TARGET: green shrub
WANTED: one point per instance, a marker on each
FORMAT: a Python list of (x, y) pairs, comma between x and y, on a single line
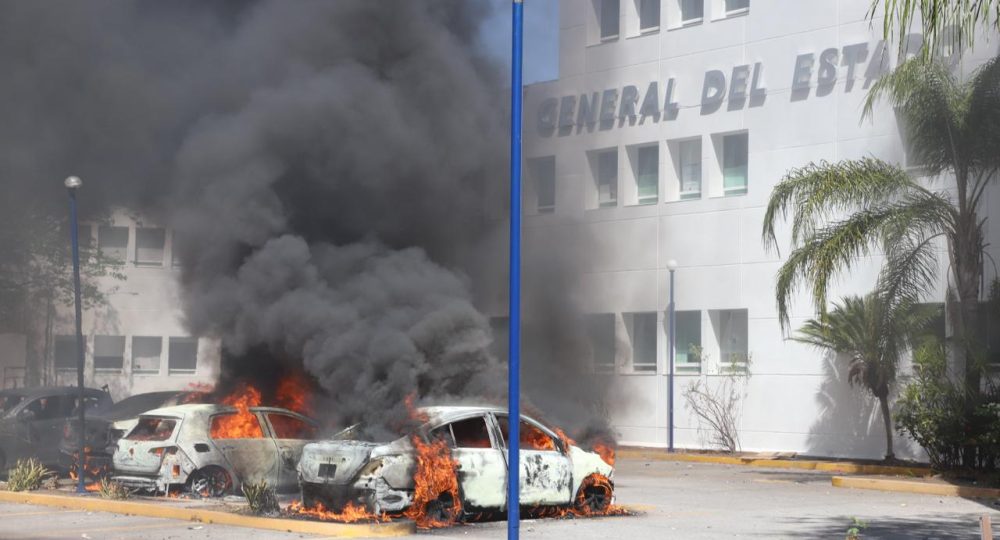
[(27, 475), (261, 498), (112, 489), (957, 429)]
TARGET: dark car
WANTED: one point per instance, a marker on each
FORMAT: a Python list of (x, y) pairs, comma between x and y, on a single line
[(33, 420), (106, 425)]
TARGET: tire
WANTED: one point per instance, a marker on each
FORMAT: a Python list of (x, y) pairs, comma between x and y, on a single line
[(594, 496), (210, 482), (443, 509)]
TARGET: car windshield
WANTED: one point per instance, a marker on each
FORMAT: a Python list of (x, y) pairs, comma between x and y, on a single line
[(133, 406), (152, 428), (8, 402), (370, 432)]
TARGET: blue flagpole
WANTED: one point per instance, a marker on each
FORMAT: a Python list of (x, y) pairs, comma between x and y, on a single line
[(514, 334)]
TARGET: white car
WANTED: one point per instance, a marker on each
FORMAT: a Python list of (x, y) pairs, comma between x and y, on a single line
[(357, 470), (189, 445)]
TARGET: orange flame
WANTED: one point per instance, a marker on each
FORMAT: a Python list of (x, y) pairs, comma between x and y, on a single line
[(293, 394), (351, 513), (94, 471), (434, 479), (243, 424)]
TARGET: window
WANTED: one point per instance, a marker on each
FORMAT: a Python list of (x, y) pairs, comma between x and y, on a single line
[(734, 164), (543, 171), (602, 340), (642, 334), (609, 19), (52, 407), (244, 425), (649, 15), (151, 428), (735, 7), (182, 355), (290, 427), (531, 437), (109, 353), (471, 433), (732, 334), (175, 251), (65, 352), (149, 246), (687, 344), (113, 242), (647, 174), (692, 11), (689, 168), (607, 178), (146, 354)]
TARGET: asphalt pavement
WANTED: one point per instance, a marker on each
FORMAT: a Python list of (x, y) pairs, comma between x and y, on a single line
[(676, 500)]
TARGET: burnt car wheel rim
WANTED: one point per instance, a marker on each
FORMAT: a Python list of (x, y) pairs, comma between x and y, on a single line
[(442, 509), (210, 482)]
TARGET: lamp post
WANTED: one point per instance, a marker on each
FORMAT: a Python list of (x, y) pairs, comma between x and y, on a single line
[(671, 342), (514, 292), (72, 184)]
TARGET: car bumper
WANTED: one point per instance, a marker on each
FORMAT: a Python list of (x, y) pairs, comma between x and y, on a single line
[(375, 495), (142, 483)]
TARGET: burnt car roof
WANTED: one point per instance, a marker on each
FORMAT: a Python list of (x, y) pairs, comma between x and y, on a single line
[(180, 411), (42, 391)]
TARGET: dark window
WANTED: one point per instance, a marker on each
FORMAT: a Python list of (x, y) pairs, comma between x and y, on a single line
[(290, 427), (109, 352), (146, 354), (471, 433), (113, 242), (609, 19), (601, 327), (183, 355), (544, 172), (151, 428), (149, 246), (52, 407), (65, 352), (649, 14)]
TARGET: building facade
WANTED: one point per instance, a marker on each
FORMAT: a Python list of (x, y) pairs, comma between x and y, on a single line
[(659, 144), (136, 342)]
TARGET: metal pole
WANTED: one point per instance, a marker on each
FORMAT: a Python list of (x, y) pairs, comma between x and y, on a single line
[(514, 333), (670, 368), (72, 184)]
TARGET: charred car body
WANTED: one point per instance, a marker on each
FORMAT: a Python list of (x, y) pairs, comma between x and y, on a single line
[(33, 420), (379, 477), (211, 448)]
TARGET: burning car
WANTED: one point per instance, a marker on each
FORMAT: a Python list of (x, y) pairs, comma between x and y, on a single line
[(211, 448), (387, 477)]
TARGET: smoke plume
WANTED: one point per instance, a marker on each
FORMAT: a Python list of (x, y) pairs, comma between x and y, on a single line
[(333, 171)]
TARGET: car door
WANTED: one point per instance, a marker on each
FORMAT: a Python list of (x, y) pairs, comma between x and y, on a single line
[(546, 474), (44, 429), (482, 470), (290, 433), (250, 454)]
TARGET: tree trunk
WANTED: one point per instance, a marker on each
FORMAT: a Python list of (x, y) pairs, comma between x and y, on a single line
[(883, 401), (966, 250)]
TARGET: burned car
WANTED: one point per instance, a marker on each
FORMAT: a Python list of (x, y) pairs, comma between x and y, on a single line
[(211, 449), (349, 471), (33, 420)]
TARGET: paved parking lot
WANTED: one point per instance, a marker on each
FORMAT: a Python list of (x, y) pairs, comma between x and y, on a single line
[(678, 500)]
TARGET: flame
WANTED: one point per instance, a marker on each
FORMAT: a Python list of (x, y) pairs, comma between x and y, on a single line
[(434, 477), (196, 392), (533, 439), (351, 513), (97, 472), (243, 424), (606, 451), (294, 392), (566, 441)]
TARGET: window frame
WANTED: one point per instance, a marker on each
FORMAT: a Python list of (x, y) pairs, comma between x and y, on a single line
[(687, 365), (170, 347), (159, 357), (693, 21), (643, 30), (631, 327), (690, 195), (601, 18), (101, 230), (536, 166), (70, 341), (734, 12), (637, 174), (121, 365), (597, 168), (163, 247), (735, 191)]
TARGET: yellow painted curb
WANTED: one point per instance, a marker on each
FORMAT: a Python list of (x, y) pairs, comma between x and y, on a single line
[(905, 486), (172, 511), (811, 465)]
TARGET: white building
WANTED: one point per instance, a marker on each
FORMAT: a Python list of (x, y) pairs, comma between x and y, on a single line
[(668, 127), (137, 341)]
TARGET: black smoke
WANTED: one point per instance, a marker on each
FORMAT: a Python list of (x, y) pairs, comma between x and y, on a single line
[(334, 171)]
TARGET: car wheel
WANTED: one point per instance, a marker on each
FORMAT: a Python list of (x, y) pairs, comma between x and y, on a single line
[(595, 495), (443, 509), (210, 482)]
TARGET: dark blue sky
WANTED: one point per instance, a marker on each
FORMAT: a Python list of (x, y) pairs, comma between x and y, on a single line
[(541, 37)]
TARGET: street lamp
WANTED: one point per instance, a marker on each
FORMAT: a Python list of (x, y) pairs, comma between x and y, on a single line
[(514, 292), (671, 341), (72, 184)]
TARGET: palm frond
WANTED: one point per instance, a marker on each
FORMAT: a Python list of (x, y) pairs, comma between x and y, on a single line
[(931, 106), (983, 137), (943, 22), (817, 192)]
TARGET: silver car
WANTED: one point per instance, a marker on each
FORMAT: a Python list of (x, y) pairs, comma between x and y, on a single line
[(184, 446), (379, 475)]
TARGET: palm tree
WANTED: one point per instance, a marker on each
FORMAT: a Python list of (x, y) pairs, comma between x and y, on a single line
[(941, 21), (954, 131), (872, 335)]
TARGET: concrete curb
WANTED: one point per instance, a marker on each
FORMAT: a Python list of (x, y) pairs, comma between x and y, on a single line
[(810, 465), (167, 511), (906, 486)]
